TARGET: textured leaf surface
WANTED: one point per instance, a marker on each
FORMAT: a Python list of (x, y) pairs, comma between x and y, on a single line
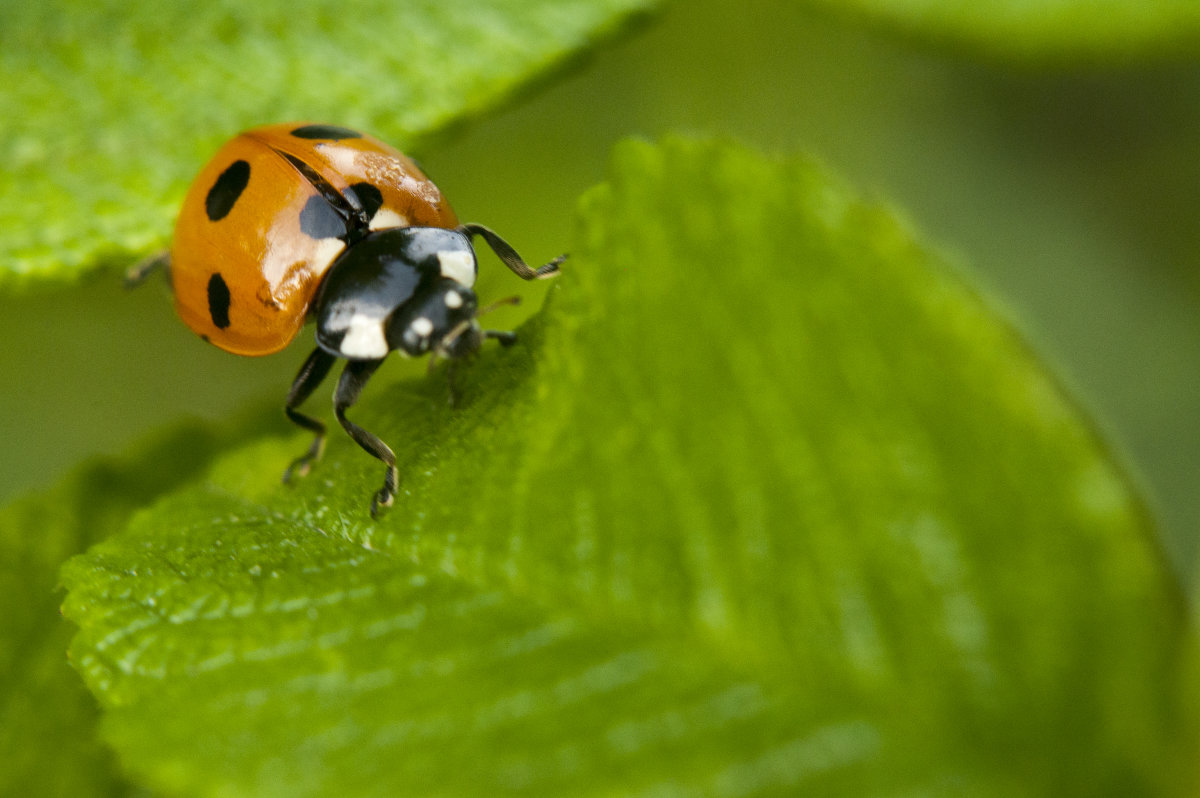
[(1044, 30), (110, 108), (765, 501)]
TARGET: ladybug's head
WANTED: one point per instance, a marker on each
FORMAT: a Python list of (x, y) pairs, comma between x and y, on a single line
[(439, 319)]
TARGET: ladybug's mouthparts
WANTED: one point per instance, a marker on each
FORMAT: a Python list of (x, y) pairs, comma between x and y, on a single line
[(464, 339)]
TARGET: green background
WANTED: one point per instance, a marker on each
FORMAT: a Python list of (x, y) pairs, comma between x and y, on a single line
[(1069, 192)]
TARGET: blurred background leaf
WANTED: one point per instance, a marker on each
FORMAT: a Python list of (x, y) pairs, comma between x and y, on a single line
[(112, 105), (832, 529), (1041, 31)]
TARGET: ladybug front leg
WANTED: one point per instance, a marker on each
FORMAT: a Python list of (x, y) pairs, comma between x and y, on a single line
[(307, 379), (509, 256), (353, 378)]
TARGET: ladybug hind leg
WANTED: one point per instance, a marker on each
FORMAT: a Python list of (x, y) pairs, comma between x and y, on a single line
[(350, 385), (307, 379)]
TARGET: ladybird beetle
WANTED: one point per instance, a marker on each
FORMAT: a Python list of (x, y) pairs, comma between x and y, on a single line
[(298, 222)]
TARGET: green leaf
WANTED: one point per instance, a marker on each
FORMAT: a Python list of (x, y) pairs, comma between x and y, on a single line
[(1066, 31), (112, 107), (48, 741), (765, 502)]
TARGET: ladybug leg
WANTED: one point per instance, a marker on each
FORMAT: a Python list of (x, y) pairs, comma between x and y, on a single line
[(307, 379), (455, 395), (509, 255), (506, 337), (138, 272), (353, 378)]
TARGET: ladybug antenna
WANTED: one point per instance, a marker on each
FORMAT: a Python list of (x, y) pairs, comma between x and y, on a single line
[(499, 303)]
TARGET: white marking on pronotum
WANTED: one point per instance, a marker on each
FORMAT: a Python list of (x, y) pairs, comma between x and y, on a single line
[(422, 326), (458, 266), (385, 219), (453, 299), (327, 250), (364, 338)]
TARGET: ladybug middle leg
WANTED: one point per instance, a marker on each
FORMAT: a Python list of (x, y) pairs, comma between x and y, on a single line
[(307, 379), (350, 385)]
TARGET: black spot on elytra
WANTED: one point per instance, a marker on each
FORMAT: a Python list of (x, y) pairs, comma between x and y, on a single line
[(320, 220), (225, 192), (218, 301), (325, 132), (368, 198)]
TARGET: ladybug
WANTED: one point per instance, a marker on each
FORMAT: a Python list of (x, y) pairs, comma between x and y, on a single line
[(297, 222)]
